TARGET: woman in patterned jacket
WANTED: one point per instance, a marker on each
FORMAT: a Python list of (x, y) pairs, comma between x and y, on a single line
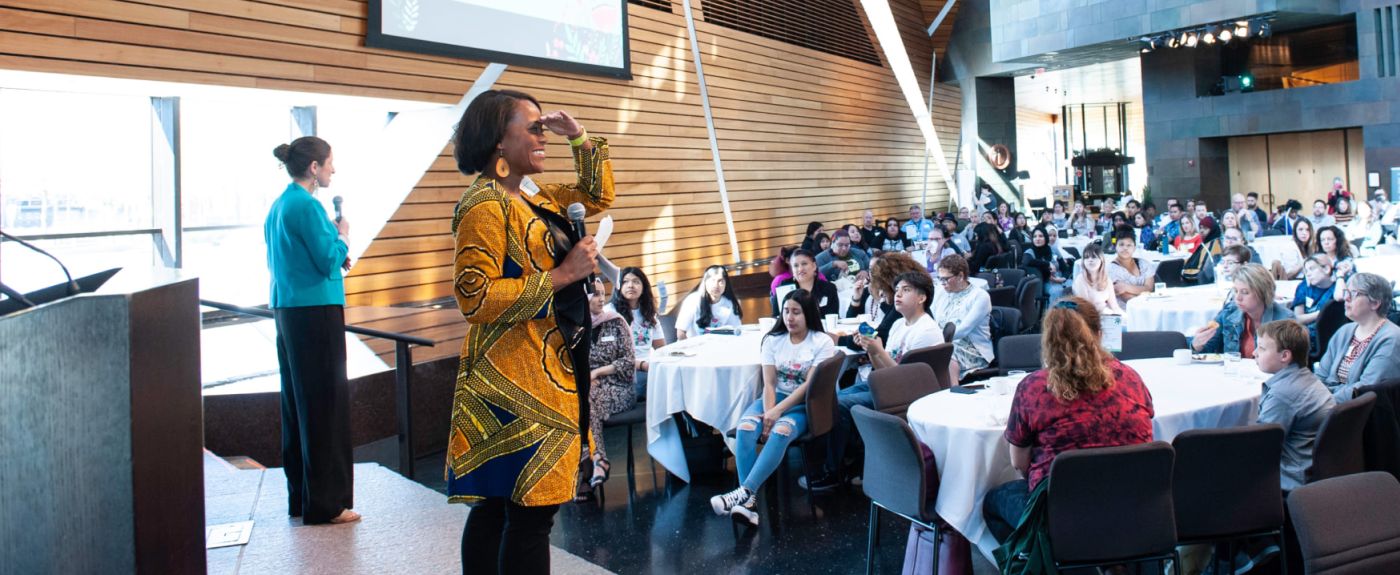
[(517, 419)]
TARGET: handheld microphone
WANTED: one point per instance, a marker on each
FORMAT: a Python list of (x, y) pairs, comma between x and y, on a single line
[(336, 201), (73, 288), (576, 215)]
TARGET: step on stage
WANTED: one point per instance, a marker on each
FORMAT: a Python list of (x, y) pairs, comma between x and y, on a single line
[(407, 528)]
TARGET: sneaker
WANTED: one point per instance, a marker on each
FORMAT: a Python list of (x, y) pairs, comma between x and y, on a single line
[(722, 504), (826, 482), (746, 512), (1257, 559)]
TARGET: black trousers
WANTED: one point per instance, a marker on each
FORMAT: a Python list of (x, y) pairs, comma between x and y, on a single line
[(504, 537), (315, 411)]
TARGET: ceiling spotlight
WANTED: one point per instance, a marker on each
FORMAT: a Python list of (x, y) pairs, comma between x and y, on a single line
[(1241, 29), (1172, 42), (1190, 40), (1265, 29), (1226, 35), (1208, 38)]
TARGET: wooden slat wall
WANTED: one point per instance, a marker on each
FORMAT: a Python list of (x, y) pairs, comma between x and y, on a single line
[(803, 135)]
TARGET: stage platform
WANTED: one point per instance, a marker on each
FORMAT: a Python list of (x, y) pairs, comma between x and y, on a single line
[(407, 528)]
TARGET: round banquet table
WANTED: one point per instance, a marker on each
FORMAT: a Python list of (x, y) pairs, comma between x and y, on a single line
[(1277, 249), (1186, 309), (1384, 265), (965, 432), (712, 377)]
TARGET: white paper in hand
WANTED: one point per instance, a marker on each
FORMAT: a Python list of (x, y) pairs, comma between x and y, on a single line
[(604, 231)]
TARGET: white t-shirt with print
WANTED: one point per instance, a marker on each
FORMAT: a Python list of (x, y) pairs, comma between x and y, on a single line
[(793, 361), (905, 338), (642, 334), (721, 314)]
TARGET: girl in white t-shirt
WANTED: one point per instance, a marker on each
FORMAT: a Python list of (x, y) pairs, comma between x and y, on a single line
[(791, 353), (633, 300), (1092, 283), (710, 306)]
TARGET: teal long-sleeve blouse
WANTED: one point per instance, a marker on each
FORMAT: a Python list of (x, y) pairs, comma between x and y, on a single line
[(304, 252)]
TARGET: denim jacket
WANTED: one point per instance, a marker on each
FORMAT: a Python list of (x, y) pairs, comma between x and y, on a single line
[(1231, 320)]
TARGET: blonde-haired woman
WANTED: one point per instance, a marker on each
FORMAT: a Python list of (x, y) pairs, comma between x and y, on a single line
[(1236, 327), (1091, 281), (1084, 397)]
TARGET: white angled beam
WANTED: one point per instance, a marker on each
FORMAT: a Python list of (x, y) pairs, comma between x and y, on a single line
[(710, 128)]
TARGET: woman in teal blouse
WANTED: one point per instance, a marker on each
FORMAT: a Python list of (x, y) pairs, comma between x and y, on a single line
[(306, 252)]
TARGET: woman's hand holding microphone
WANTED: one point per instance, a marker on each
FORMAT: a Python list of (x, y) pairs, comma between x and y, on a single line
[(577, 265)]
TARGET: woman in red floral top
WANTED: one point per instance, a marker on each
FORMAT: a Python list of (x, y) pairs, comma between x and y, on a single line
[(1084, 398)]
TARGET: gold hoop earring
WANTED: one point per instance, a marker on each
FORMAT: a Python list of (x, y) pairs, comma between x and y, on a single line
[(502, 167)]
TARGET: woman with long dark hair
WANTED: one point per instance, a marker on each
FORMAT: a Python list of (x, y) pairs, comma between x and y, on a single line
[(1040, 256), (520, 410), (712, 305), (1332, 241), (611, 365), (805, 276), (634, 301), (306, 253), (809, 240), (791, 352), (987, 243)]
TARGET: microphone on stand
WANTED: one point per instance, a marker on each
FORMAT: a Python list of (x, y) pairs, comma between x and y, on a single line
[(576, 215), (336, 201), (72, 285)]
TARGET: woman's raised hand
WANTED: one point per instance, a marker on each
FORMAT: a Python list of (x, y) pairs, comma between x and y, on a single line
[(560, 122)]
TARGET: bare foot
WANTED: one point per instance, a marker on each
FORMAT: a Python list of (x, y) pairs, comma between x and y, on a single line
[(346, 516)]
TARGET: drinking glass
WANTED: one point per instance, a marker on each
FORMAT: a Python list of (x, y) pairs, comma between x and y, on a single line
[(1232, 363)]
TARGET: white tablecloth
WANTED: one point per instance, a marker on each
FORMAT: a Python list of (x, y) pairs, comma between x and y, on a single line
[(1384, 265), (1277, 249), (1158, 257), (1076, 242), (1184, 309), (965, 431), (714, 385)]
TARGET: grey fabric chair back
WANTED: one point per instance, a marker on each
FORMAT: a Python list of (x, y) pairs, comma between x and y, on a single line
[(894, 465), (894, 388), (937, 358), (1005, 321), (1019, 352), (1029, 302), (668, 326), (1226, 481), (1348, 525), (821, 396), (1338, 449), (1011, 276), (1111, 503), (1169, 271), (1149, 344), (1004, 296)]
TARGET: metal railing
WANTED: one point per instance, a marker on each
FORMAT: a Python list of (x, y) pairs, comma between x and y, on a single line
[(403, 374)]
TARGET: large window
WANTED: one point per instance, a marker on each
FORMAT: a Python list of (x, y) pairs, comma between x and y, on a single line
[(1292, 59)]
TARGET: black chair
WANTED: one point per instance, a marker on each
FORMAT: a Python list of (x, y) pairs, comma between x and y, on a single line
[(1269, 231), (1004, 296), (894, 388), (1338, 450), (895, 477), (936, 357), (1028, 301), (1063, 233), (1225, 487), (1002, 260), (1169, 271), (949, 329), (1112, 505), (1348, 525), (1149, 344), (1005, 321), (1010, 276), (1332, 317), (630, 418), (1019, 352)]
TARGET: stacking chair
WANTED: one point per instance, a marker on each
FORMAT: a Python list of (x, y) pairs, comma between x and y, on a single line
[(896, 477), (1019, 352), (630, 418), (1149, 344), (1332, 317), (1005, 321), (1338, 449), (937, 358), (1348, 525), (1004, 296), (1011, 276), (895, 388), (1028, 301), (1112, 505), (1226, 487), (1169, 271)]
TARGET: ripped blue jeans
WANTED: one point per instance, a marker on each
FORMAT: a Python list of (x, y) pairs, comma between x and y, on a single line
[(756, 466)]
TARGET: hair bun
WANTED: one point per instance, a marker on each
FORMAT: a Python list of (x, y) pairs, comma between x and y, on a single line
[(282, 152)]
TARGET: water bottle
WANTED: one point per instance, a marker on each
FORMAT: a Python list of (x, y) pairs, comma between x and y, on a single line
[(1166, 247)]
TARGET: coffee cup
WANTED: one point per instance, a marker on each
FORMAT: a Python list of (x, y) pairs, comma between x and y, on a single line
[(1182, 356)]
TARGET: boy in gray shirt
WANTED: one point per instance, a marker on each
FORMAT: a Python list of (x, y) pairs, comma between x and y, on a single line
[(1293, 397)]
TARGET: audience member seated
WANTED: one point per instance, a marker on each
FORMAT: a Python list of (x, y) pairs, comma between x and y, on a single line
[(1083, 398), (894, 240), (822, 243), (1188, 240), (969, 308), (613, 391), (913, 293), (1172, 228), (790, 354), (952, 232), (1005, 219), (809, 241), (1320, 218), (987, 243), (940, 246), (1079, 222), (1344, 213), (1313, 294), (780, 271), (852, 231), (804, 276), (1363, 352), (1058, 215), (880, 302), (1142, 230), (871, 234), (1293, 397), (918, 227), (1230, 261), (1091, 282), (1287, 216), (1054, 234), (712, 305), (1306, 241), (1131, 276), (1366, 227), (1228, 237), (1040, 256), (1020, 233), (1236, 328), (842, 259), (633, 300), (1332, 241)]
